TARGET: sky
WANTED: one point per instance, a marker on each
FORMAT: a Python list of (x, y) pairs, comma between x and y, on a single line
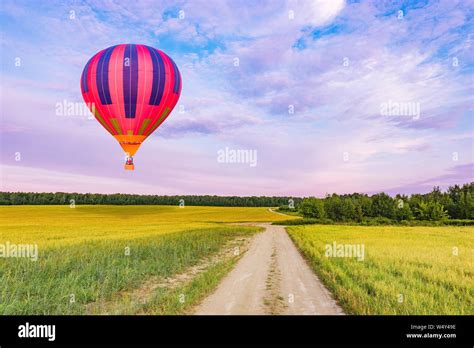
[(325, 95)]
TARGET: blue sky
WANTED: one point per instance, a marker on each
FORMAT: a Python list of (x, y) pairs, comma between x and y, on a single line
[(333, 63)]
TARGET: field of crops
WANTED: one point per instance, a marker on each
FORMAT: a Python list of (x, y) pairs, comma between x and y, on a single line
[(88, 254), (404, 270)]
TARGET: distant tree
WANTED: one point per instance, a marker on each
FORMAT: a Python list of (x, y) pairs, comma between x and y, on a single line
[(358, 210), (466, 205), (333, 207), (402, 209), (312, 208), (431, 210), (366, 205), (383, 205), (341, 208), (348, 210)]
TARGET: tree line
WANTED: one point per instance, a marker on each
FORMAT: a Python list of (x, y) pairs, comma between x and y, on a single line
[(36, 198), (456, 202)]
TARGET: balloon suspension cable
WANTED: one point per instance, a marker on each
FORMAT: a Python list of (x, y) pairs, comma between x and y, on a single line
[(129, 163)]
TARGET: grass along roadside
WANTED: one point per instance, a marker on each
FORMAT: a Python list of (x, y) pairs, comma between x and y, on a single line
[(144, 299), (405, 270), (66, 278), (184, 298)]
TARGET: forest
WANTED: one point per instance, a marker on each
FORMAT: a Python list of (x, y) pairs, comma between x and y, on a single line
[(455, 203), (32, 198)]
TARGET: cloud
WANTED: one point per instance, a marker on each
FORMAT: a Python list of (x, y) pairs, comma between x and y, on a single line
[(320, 12), (456, 175)]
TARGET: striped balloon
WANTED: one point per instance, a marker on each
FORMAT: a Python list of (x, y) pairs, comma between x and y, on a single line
[(131, 89)]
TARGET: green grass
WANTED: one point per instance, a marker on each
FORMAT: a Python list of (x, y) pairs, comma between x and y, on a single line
[(93, 271), (82, 253), (406, 270), (185, 297)]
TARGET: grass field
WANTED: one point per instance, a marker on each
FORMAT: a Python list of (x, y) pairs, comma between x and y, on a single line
[(90, 253), (406, 270)]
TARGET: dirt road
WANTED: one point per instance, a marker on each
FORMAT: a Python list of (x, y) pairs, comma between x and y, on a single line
[(271, 278)]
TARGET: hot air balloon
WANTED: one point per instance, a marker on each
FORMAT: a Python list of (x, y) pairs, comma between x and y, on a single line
[(131, 90)]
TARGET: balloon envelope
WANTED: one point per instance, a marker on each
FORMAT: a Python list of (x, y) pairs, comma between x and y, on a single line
[(131, 90)]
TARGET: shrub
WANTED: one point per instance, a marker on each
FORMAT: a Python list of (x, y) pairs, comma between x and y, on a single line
[(432, 211), (403, 211), (304, 221), (378, 221), (383, 205), (421, 223), (459, 222)]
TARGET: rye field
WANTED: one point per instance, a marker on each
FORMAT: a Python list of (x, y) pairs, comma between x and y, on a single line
[(118, 259), (404, 270)]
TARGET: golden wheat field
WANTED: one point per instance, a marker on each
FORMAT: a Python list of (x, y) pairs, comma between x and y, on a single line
[(62, 225), (404, 270)]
